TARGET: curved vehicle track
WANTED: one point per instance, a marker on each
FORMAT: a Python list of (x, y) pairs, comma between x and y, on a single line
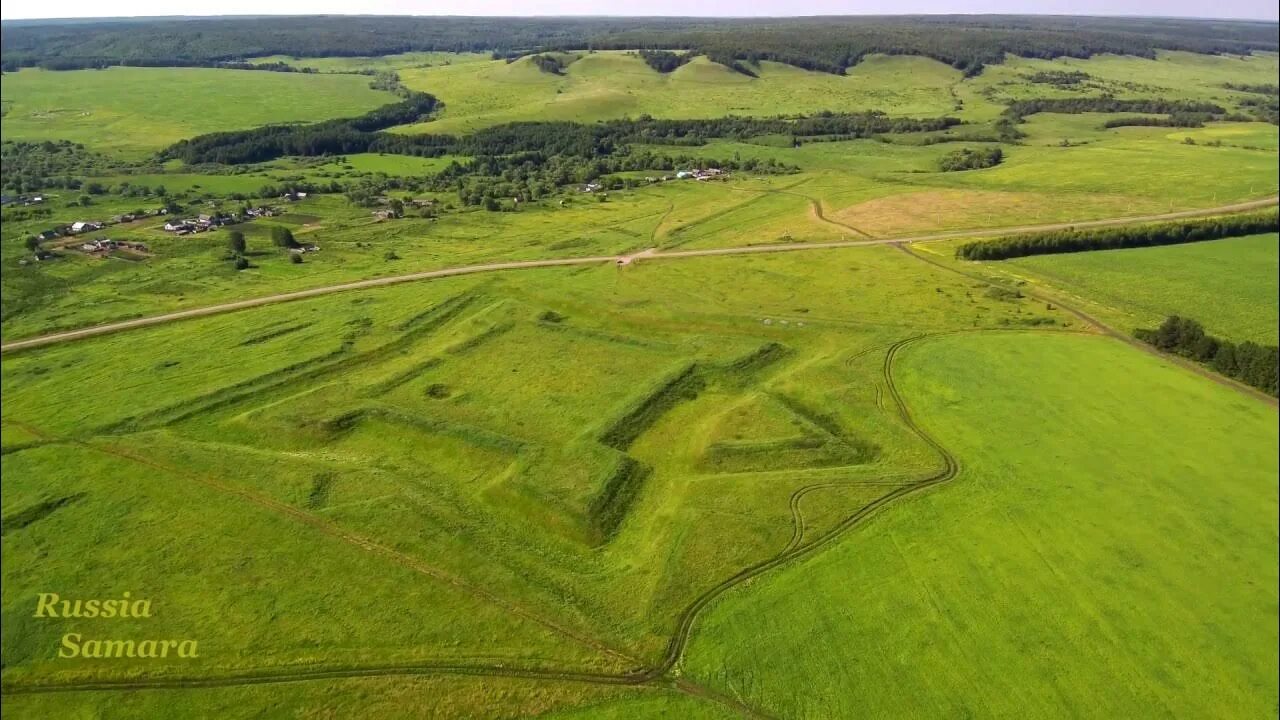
[(82, 333), (658, 674)]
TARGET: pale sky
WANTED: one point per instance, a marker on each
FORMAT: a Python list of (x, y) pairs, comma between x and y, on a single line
[(1250, 9)]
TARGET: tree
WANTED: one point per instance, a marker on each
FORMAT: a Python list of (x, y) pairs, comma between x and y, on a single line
[(283, 237), (235, 241), (33, 243), (295, 258), (241, 263)]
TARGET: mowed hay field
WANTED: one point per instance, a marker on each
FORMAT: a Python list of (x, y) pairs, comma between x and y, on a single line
[(1229, 285), (136, 111), (608, 85), (1105, 551)]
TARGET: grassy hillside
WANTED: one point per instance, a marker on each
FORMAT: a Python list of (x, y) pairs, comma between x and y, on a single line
[(606, 85), (1127, 532), (135, 111)]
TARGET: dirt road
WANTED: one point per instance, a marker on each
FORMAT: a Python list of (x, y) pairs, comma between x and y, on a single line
[(651, 254)]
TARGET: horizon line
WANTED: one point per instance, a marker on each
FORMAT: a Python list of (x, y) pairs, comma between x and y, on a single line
[(585, 16)]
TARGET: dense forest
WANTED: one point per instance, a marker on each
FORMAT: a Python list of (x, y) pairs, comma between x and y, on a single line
[(1113, 238), (829, 44), (1248, 362)]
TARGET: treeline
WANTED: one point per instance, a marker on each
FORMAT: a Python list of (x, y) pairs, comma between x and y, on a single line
[(1058, 77), (1258, 89), (664, 61), (1180, 120), (829, 44), (503, 181), (360, 134), (1020, 109), (331, 137), (1250, 363), (971, 159), (1266, 109), (1113, 238)]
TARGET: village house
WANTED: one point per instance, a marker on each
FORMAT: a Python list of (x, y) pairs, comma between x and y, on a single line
[(305, 248), (386, 214), (85, 226), (99, 245)]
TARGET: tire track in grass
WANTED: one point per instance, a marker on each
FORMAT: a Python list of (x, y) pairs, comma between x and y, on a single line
[(660, 674)]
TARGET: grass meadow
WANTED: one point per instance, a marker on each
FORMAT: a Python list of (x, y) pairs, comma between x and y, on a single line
[(1229, 285), (542, 470), (1109, 552), (608, 85), (134, 112)]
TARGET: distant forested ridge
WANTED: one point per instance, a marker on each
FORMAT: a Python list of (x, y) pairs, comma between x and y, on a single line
[(1114, 238), (828, 44)]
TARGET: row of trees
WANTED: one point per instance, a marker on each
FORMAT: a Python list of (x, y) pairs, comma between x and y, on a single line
[(1256, 88), (337, 137), (1058, 77), (1112, 238), (1020, 109), (332, 137), (1180, 119), (1248, 362), (971, 159), (830, 44)]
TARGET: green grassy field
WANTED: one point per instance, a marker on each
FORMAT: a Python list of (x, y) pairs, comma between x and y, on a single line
[(1229, 285), (386, 62), (505, 494), (135, 111), (1056, 575), (452, 440), (607, 85)]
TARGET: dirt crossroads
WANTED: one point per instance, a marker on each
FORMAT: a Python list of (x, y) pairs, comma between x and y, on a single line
[(650, 254)]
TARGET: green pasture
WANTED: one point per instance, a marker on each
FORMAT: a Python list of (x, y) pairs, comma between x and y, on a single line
[(608, 85), (544, 468), (1102, 552), (133, 112), (442, 420), (1170, 75), (1228, 285), (388, 63)]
